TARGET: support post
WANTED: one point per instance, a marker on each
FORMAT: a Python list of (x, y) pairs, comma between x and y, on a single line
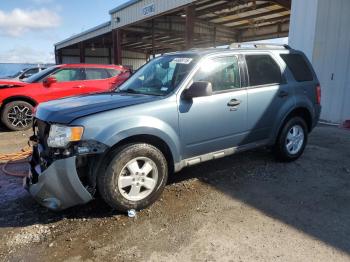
[(153, 53), (214, 36), (82, 52), (117, 46), (58, 56), (109, 55), (190, 19)]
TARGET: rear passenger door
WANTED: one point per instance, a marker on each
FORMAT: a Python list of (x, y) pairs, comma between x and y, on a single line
[(267, 92), (97, 80)]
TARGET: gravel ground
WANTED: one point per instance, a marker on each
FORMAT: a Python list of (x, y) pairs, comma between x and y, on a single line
[(246, 207)]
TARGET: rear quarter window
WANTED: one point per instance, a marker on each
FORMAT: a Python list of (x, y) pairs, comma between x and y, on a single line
[(113, 72), (298, 66), (96, 73), (263, 70)]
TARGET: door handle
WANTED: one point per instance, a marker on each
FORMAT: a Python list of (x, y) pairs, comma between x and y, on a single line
[(283, 93), (234, 102)]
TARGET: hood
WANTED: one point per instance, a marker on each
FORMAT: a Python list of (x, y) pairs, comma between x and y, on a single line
[(66, 110), (7, 83)]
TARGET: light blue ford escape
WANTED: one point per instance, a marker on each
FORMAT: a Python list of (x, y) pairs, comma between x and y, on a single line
[(178, 110)]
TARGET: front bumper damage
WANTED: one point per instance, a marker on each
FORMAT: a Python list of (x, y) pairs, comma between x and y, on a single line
[(58, 187), (60, 178)]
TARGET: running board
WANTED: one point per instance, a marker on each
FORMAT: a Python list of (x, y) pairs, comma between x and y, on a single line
[(217, 154)]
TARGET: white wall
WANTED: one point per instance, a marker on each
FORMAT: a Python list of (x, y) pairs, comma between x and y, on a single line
[(320, 28)]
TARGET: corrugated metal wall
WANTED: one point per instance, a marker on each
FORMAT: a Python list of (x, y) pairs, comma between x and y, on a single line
[(133, 60), (321, 29)]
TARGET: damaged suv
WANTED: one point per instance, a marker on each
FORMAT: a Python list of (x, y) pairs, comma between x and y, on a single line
[(178, 110)]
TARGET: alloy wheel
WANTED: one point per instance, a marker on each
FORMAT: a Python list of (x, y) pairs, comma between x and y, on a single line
[(138, 179)]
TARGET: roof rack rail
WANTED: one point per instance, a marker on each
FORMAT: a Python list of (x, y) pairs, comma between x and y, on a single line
[(258, 45)]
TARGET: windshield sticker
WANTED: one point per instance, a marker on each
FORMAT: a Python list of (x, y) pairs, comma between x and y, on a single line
[(182, 60), (164, 89)]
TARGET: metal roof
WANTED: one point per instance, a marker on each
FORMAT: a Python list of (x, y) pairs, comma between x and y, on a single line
[(101, 26), (123, 6)]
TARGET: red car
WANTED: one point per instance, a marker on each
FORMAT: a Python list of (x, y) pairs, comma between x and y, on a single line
[(17, 99)]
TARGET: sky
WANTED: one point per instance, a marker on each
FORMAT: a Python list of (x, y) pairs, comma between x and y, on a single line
[(30, 28)]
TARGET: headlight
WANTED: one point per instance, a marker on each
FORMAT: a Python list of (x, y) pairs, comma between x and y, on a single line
[(60, 136)]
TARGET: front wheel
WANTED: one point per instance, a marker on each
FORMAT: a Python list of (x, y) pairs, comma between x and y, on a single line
[(292, 140), (17, 115), (134, 178)]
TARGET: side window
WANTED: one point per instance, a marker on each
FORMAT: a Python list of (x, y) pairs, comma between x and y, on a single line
[(96, 73), (263, 70), (69, 74), (300, 70), (222, 73), (113, 72), (32, 71)]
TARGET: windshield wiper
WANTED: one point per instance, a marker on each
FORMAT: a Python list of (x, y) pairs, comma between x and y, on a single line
[(129, 90), (133, 91)]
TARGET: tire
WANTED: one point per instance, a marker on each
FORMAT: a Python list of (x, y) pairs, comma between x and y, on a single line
[(17, 115), (291, 142), (121, 170)]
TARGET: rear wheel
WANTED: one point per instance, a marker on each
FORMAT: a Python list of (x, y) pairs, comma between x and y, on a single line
[(292, 140), (134, 178), (17, 115)]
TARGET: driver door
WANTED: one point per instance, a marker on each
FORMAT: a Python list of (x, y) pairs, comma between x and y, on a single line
[(216, 122), (69, 83)]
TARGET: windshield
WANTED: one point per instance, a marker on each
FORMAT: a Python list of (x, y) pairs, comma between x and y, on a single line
[(38, 77), (17, 74), (160, 76)]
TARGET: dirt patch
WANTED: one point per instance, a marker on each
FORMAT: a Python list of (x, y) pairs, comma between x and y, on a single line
[(246, 207)]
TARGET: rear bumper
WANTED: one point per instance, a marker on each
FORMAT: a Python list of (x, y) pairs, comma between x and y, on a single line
[(58, 187), (317, 115)]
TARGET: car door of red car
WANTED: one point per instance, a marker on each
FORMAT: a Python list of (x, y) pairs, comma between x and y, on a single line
[(103, 79), (69, 83)]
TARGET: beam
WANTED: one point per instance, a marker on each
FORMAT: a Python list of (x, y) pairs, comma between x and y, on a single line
[(190, 20), (238, 11), (117, 46), (287, 4), (283, 18), (226, 22)]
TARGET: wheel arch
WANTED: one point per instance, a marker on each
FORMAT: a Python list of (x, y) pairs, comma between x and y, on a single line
[(149, 139), (153, 140), (19, 98), (299, 111)]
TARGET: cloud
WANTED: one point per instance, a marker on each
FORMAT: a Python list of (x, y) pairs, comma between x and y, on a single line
[(23, 54), (19, 21)]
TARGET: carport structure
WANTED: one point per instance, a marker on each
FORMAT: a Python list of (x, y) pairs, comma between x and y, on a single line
[(140, 29)]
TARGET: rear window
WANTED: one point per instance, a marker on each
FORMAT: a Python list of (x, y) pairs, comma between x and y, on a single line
[(113, 72), (96, 73), (298, 66), (263, 70)]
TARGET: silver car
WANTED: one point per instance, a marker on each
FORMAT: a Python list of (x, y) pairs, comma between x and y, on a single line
[(178, 110)]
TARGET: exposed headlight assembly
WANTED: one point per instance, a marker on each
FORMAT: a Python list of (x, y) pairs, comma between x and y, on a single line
[(60, 136)]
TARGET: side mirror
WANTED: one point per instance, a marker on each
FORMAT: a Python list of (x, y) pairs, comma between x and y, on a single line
[(198, 89), (49, 81)]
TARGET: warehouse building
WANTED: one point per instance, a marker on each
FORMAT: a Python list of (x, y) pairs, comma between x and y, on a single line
[(139, 29)]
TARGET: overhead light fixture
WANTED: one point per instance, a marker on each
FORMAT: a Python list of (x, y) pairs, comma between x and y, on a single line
[(93, 47), (183, 15)]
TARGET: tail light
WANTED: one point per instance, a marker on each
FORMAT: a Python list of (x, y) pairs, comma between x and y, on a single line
[(318, 94)]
